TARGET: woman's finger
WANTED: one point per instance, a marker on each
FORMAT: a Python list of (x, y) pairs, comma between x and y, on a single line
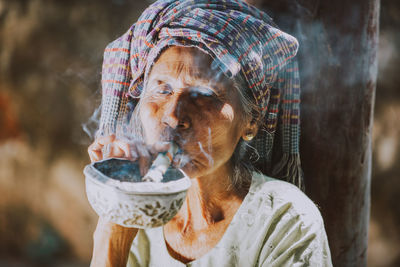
[(125, 147), (133, 151), (104, 140), (114, 151), (95, 155), (144, 158), (95, 149)]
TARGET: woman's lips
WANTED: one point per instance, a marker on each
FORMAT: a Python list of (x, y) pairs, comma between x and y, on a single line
[(188, 153)]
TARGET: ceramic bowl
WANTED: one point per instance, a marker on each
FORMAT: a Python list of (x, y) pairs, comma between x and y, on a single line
[(115, 191)]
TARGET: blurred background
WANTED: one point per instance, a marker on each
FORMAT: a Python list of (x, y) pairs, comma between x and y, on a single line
[(50, 69)]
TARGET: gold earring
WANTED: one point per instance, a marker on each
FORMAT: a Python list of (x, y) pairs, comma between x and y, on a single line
[(248, 137)]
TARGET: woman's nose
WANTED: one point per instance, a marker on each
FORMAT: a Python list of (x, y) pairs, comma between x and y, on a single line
[(174, 115)]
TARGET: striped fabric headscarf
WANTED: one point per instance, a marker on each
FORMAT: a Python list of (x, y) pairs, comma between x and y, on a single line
[(244, 43)]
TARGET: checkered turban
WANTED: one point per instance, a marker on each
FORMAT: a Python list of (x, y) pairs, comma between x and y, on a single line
[(244, 43)]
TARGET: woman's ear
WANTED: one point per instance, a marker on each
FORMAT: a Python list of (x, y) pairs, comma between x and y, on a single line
[(251, 129)]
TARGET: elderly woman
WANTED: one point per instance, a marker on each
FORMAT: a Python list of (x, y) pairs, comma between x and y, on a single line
[(219, 79)]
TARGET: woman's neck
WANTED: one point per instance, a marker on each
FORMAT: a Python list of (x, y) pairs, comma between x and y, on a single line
[(210, 205), (210, 200)]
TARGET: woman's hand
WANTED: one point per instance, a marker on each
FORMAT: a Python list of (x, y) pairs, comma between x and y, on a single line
[(135, 151), (117, 148), (112, 243)]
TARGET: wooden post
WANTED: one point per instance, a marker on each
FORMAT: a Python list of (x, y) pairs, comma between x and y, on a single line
[(338, 67)]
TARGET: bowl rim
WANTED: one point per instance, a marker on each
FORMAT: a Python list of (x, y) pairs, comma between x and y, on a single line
[(96, 176)]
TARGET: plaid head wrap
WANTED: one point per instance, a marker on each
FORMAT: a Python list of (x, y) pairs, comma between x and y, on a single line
[(244, 43)]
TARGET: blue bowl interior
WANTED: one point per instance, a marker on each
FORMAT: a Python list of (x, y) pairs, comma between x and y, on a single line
[(128, 171)]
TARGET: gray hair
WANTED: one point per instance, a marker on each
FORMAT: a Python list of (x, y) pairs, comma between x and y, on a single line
[(245, 155)]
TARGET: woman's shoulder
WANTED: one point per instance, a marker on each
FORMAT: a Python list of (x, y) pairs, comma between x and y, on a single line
[(289, 223), (277, 195)]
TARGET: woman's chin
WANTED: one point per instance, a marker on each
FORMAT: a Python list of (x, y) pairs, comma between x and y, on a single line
[(190, 167)]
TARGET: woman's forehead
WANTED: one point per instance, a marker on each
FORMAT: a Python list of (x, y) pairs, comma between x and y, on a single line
[(186, 63)]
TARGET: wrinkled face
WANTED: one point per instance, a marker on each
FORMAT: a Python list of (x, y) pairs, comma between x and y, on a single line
[(186, 101)]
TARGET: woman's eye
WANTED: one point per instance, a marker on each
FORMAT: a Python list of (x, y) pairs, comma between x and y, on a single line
[(204, 92), (164, 92)]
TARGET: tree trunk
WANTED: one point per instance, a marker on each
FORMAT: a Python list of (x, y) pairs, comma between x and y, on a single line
[(338, 68)]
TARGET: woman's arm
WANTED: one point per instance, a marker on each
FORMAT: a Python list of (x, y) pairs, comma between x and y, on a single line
[(112, 243)]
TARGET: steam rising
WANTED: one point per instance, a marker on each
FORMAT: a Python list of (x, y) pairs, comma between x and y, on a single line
[(209, 144), (208, 156), (92, 125)]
